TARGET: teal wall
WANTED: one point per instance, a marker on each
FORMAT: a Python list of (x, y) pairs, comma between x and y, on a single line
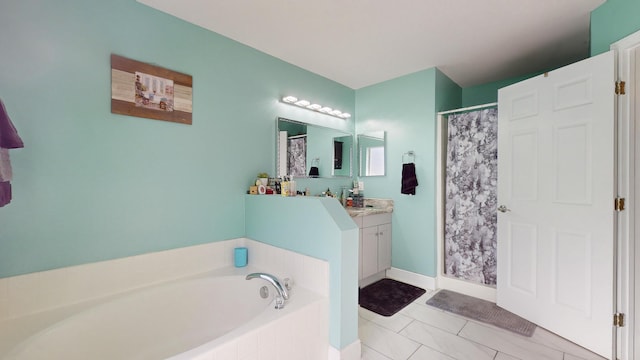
[(613, 21), (406, 109), (317, 227), (488, 93), (449, 95), (90, 185)]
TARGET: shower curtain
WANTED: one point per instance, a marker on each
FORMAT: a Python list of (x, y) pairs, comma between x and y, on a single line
[(471, 196), (297, 156)]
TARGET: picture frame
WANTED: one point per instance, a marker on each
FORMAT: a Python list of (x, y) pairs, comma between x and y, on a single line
[(149, 91)]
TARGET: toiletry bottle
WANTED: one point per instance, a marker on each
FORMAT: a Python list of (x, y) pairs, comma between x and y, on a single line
[(284, 187), (292, 188)]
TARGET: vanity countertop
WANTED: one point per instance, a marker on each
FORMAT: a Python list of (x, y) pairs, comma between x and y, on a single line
[(372, 207)]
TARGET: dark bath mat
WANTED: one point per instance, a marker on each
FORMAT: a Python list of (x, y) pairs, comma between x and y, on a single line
[(387, 296), (481, 310)]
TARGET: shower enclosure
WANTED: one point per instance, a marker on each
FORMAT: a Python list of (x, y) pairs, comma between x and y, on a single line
[(470, 200)]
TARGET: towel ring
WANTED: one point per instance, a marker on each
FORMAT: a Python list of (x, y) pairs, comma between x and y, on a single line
[(410, 156)]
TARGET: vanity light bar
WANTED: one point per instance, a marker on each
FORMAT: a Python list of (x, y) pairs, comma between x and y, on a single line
[(292, 100)]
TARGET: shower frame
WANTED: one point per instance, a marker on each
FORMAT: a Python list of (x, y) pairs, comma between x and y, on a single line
[(444, 281)]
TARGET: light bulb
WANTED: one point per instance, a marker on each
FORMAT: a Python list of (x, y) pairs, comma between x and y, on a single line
[(290, 99)]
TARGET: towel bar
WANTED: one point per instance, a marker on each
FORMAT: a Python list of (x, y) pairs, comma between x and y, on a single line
[(410, 155)]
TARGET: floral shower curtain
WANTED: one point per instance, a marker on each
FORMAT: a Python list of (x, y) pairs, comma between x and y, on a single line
[(471, 196), (297, 156)]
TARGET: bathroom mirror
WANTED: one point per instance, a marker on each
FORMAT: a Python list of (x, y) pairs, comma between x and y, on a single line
[(371, 153), (306, 150)]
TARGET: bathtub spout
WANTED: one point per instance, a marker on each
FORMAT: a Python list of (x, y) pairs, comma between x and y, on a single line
[(283, 295)]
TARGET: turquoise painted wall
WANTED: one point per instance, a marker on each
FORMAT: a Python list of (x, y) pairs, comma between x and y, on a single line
[(406, 109), (321, 228), (449, 95), (612, 21), (90, 185), (488, 93)]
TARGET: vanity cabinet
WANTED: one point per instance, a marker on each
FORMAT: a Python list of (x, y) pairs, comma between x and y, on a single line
[(375, 244)]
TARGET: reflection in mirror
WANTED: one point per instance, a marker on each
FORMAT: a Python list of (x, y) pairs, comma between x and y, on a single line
[(342, 155), (305, 150), (371, 149)]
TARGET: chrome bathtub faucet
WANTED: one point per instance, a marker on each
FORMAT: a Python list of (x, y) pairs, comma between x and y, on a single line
[(283, 294)]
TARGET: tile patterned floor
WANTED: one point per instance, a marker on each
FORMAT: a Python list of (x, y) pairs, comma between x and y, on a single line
[(422, 332)]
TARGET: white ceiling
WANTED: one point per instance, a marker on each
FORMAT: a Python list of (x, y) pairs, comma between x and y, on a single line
[(362, 42)]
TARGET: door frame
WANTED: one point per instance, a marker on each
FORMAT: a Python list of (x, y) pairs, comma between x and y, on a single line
[(628, 221)]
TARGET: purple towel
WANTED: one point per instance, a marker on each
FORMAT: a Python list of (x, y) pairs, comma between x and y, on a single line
[(9, 138), (5, 193), (409, 179)]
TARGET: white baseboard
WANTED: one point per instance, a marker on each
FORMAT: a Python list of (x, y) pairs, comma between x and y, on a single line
[(351, 352), (412, 278), (468, 288)]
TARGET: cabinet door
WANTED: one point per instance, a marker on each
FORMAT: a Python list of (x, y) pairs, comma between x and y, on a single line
[(384, 247), (369, 251)]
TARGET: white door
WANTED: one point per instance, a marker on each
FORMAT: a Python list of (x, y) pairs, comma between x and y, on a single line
[(556, 176)]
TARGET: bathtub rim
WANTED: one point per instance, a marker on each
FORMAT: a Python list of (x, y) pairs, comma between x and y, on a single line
[(18, 331)]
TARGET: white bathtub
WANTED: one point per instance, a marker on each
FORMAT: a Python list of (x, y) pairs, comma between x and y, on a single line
[(188, 319)]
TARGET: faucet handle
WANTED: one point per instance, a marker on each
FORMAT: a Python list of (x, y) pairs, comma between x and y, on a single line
[(288, 283)]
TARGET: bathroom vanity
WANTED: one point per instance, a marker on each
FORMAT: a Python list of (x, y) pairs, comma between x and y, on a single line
[(374, 256)]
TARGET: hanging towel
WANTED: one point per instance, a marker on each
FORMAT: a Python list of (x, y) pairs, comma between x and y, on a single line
[(409, 179), (5, 165), (5, 193), (9, 138)]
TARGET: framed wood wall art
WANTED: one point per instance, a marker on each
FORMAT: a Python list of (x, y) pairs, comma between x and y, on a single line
[(149, 91)]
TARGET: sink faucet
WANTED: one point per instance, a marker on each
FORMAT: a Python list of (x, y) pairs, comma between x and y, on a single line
[(282, 296)]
